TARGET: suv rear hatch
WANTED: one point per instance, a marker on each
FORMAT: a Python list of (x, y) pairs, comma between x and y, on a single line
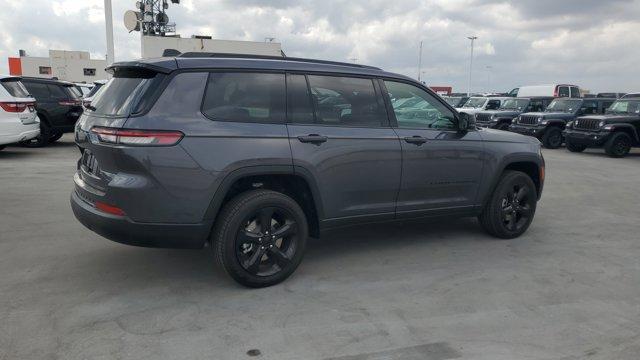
[(99, 133), (19, 101)]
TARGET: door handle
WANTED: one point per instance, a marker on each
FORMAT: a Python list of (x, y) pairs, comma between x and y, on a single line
[(418, 140), (313, 138)]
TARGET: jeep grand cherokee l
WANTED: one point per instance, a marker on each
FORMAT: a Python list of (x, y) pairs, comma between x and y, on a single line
[(548, 125), (253, 155), (617, 131)]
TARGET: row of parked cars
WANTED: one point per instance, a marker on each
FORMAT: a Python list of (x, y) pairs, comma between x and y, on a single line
[(37, 111), (578, 122)]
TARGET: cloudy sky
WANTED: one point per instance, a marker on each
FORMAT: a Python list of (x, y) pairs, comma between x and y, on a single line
[(591, 43)]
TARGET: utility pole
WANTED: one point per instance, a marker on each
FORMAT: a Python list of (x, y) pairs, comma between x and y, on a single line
[(108, 20), (420, 62), (472, 38)]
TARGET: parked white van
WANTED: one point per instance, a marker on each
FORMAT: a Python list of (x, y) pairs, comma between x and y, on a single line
[(555, 90), (476, 104)]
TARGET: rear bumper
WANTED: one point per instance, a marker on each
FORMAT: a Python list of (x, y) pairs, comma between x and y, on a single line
[(122, 230), (587, 138), (527, 130), (26, 133)]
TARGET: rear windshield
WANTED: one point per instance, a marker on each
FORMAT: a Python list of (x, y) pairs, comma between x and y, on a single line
[(15, 88), (121, 95)]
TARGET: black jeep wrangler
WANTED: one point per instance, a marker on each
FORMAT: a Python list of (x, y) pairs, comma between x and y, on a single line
[(548, 125), (617, 131), (502, 118)]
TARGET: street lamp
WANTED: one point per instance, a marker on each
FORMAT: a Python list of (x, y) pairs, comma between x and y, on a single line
[(420, 61), (108, 19), (472, 38)]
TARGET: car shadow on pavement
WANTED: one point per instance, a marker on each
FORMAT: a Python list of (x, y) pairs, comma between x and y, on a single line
[(381, 236), (9, 153), (132, 268)]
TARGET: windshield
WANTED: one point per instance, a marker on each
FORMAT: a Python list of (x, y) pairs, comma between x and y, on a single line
[(562, 105), (15, 88), (625, 107), (514, 104), (475, 103)]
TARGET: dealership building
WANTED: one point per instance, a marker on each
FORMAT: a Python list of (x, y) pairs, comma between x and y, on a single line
[(75, 66)]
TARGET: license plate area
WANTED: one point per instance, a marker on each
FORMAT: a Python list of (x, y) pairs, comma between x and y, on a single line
[(89, 163)]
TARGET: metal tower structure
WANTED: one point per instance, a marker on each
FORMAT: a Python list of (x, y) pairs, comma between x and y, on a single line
[(153, 17)]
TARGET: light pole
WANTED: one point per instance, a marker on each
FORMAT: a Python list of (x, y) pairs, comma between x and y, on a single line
[(489, 67), (420, 62), (472, 38), (108, 19)]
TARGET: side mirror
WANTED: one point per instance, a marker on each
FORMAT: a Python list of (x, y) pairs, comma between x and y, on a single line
[(465, 122)]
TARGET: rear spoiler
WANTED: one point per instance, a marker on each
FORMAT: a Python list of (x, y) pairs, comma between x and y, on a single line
[(163, 66)]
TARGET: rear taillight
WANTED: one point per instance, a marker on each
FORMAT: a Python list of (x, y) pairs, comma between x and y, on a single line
[(70, 102), (137, 137), (16, 107)]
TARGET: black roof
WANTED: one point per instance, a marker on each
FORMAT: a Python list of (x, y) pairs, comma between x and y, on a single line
[(47, 80), (239, 61)]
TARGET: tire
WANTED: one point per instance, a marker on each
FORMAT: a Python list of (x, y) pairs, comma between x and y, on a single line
[(504, 216), (503, 126), (42, 139), (552, 138), (574, 147), (241, 240), (55, 136), (619, 145)]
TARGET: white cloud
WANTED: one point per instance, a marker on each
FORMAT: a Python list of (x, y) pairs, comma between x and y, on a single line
[(589, 42)]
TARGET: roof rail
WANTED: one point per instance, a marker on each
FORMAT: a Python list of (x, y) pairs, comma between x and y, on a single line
[(270, 57)]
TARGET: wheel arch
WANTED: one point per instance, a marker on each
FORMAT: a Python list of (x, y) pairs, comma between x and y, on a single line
[(281, 178), (628, 129), (528, 164)]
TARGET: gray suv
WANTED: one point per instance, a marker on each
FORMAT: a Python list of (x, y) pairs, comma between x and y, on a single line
[(253, 155)]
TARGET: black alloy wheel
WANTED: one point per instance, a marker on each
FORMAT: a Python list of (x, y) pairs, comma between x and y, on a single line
[(267, 242), (552, 138), (516, 207), (619, 145), (260, 237), (511, 208)]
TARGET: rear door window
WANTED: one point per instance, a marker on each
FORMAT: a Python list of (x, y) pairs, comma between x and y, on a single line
[(575, 92), (122, 94), (15, 88), (346, 101), (563, 91), (299, 106), (245, 97)]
